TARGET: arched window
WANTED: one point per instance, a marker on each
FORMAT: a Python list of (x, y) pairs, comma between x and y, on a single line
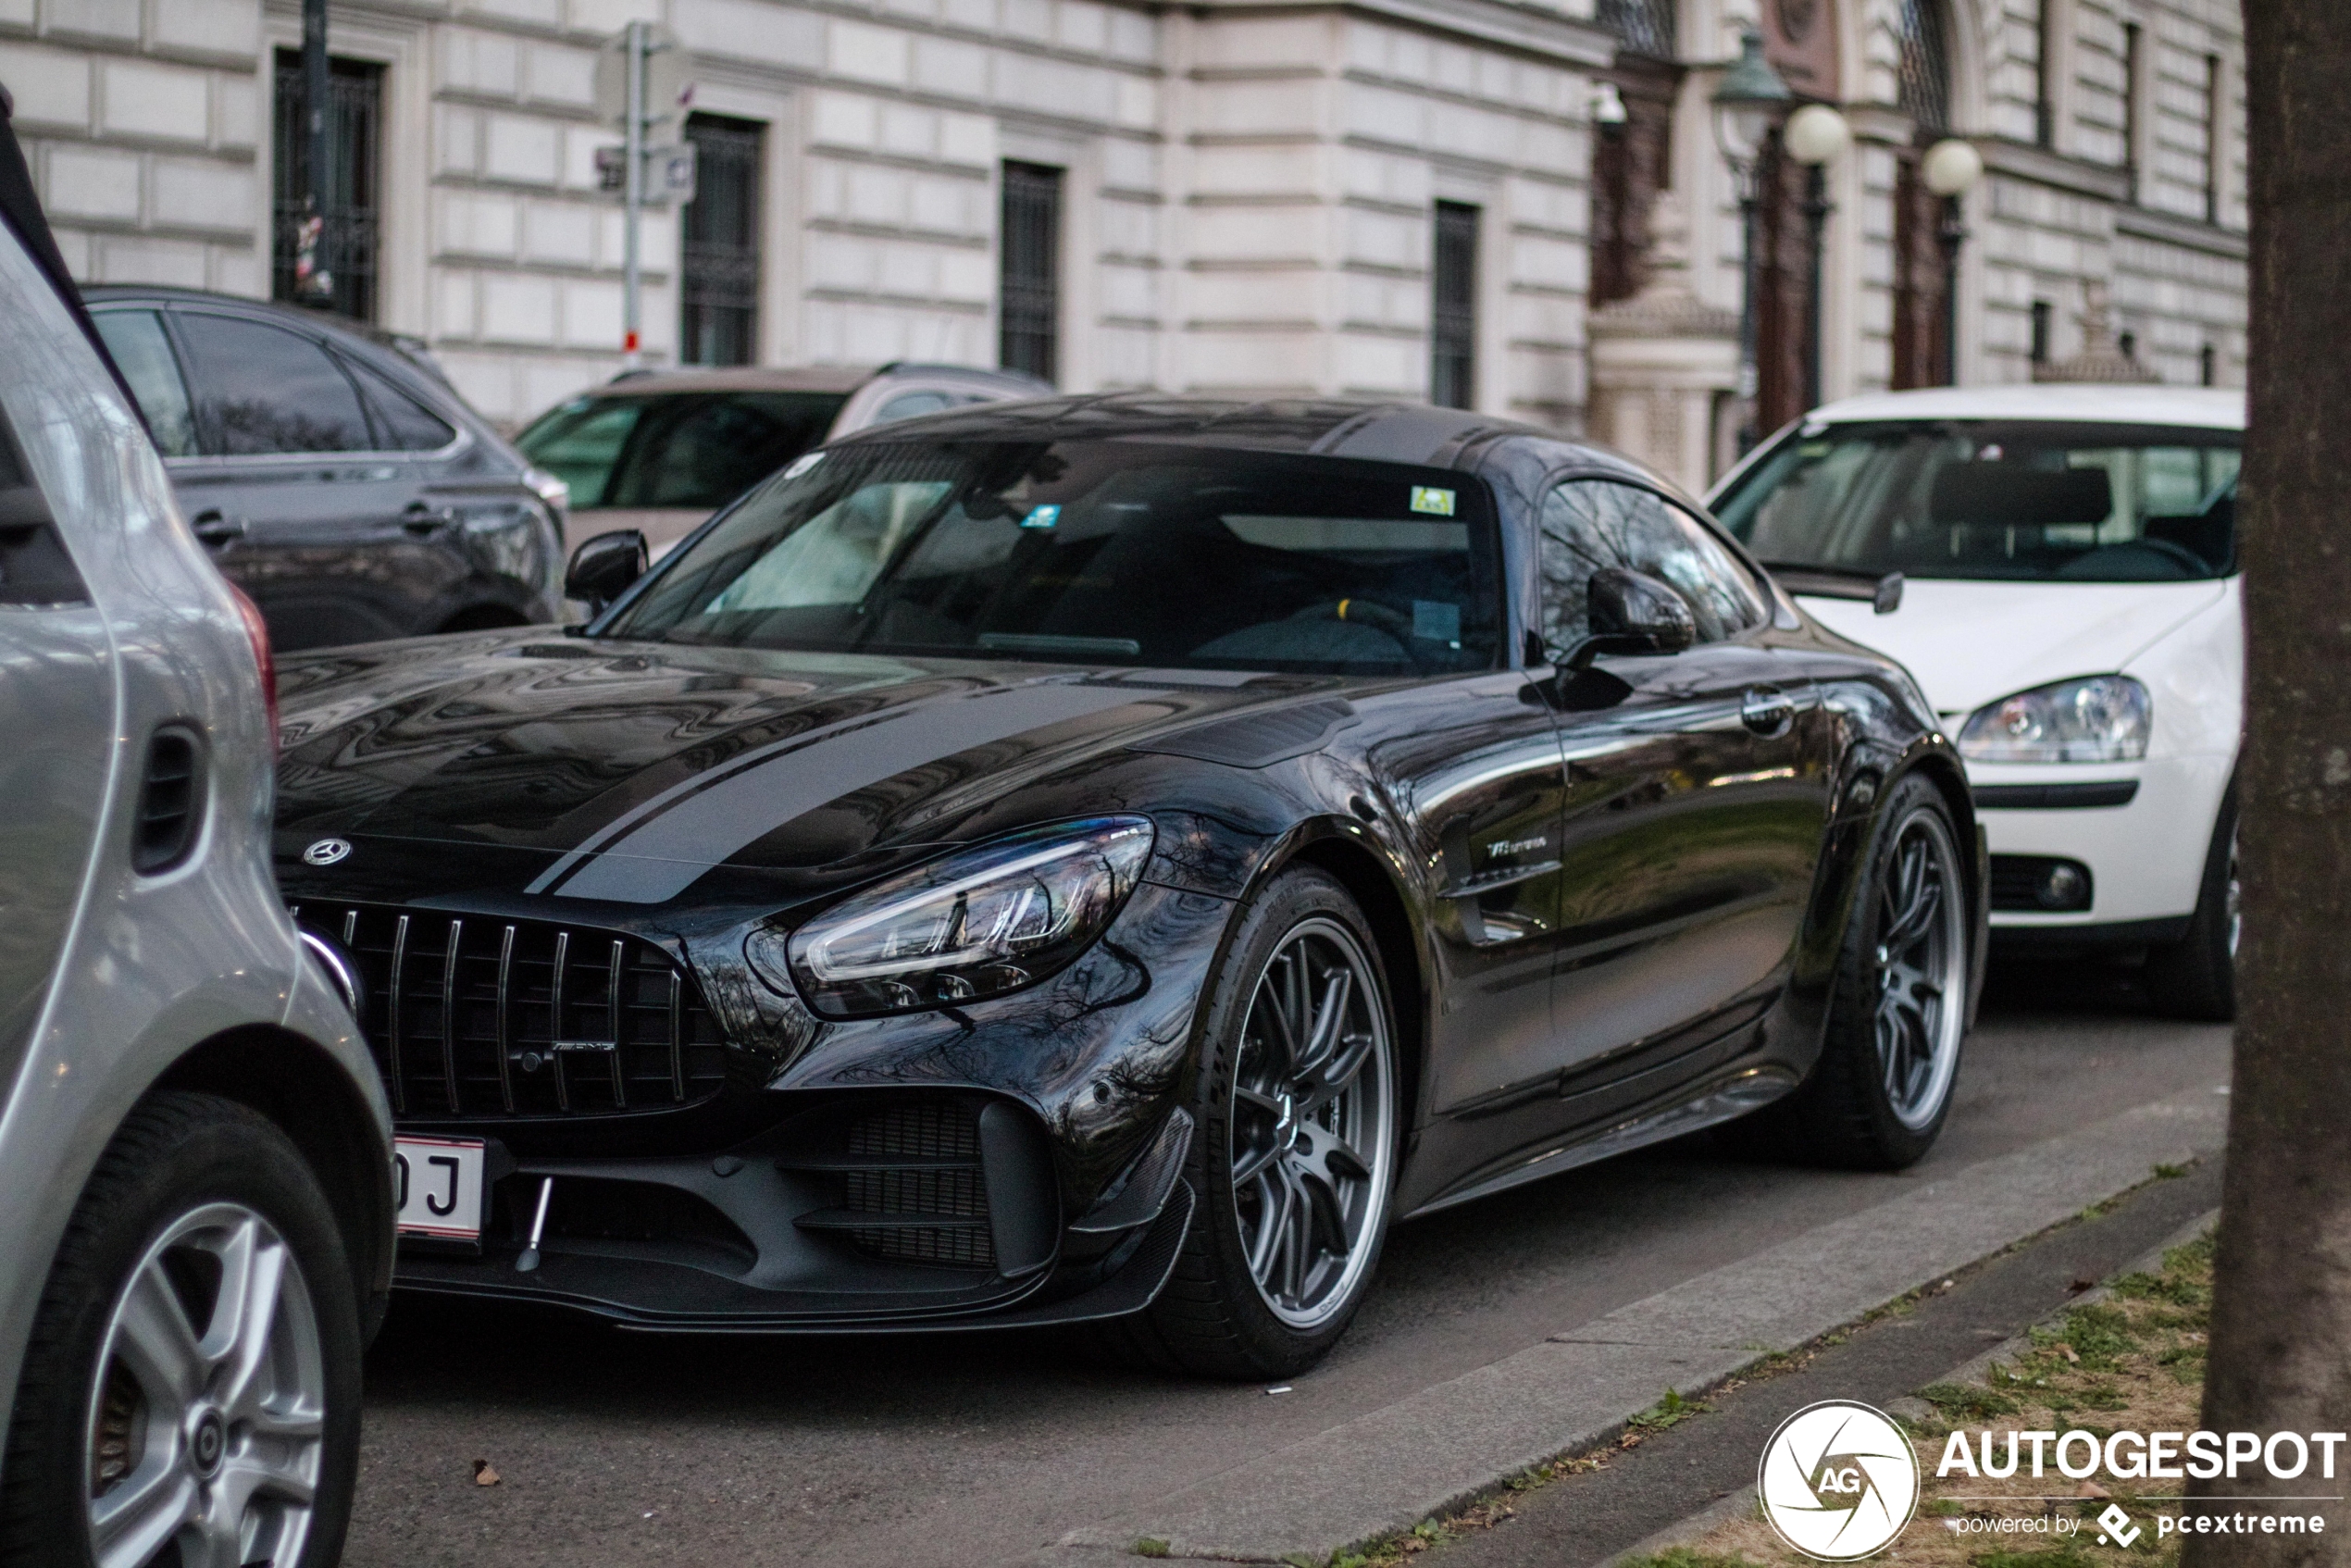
[(1925, 90)]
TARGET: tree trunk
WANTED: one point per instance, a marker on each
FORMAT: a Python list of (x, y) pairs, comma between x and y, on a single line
[(2281, 1351)]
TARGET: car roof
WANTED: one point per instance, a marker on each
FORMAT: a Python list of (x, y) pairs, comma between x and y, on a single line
[(805, 377), (1384, 431), (2211, 407)]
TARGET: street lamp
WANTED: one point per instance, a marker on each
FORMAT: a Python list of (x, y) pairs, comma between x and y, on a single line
[(1748, 98), (1815, 133), (1950, 169)]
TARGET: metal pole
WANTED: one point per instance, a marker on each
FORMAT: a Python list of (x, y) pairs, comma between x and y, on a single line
[(314, 279), (633, 185), (1953, 235), (1748, 376), (1816, 217)]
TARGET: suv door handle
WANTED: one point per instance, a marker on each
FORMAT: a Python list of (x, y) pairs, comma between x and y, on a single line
[(1767, 709), (216, 528), (419, 518)]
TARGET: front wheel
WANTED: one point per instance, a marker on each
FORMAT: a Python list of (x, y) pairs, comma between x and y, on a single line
[(191, 1393), (2197, 977), (1295, 1158), (1878, 1097)]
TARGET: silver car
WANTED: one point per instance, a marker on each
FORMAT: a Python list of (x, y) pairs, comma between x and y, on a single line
[(196, 1175)]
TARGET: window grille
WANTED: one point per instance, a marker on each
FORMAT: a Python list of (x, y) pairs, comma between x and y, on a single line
[(1926, 84), (1452, 376), (718, 294), (1030, 302), (1643, 27), (350, 195)]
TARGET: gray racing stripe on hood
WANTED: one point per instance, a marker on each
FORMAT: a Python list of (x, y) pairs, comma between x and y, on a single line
[(665, 851)]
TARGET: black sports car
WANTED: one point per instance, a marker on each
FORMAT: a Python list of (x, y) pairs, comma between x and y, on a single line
[(1107, 859)]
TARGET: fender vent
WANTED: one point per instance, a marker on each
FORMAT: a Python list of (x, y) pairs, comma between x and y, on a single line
[(1259, 739), (170, 803)]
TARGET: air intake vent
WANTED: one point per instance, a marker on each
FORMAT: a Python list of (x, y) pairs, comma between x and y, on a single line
[(170, 803)]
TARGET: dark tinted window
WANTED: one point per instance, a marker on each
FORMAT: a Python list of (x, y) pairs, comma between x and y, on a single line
[(2066, 502), (402, 423), (34, 567), (1096, 552), (692, 450), (1589, 524), (136, 339), (263, 389)]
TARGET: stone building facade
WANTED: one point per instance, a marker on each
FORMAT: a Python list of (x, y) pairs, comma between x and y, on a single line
[(1393, 197)]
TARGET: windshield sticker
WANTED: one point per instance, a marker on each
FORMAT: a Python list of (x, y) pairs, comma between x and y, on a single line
[(1434, 620), (802, 464), (1043, 516), (1428, 498)]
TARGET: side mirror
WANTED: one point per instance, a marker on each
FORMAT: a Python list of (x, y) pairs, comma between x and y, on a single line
[(603, 568), (1631, 613)]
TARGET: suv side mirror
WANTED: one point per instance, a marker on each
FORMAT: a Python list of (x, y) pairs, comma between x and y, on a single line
[(603, 568), (1633, 612)]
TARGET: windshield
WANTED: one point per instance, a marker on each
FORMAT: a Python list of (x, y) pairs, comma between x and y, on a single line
[(2059, 502), (1096, 553), (687, 450)]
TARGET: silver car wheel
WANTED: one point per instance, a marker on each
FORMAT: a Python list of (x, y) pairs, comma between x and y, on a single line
[(1314, 1123), (1921, 969), (206, 1428)]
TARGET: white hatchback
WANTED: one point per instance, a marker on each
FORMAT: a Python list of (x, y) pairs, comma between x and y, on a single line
[(2056, 565)]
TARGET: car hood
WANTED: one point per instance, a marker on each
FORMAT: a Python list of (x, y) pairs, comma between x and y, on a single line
[(525, 764), (1970, 643)]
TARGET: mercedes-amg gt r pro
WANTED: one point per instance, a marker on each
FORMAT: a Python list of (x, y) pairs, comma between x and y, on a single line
[(1107, 859)]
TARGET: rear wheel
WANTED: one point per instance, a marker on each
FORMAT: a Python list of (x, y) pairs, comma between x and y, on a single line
[(1878, 1097), (2197, 977), (191, 1393), (1295, 1158)]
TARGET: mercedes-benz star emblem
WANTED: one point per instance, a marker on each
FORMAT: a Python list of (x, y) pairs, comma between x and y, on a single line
[(326, 852)]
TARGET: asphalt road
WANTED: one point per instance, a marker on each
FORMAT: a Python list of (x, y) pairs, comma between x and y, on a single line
[(623, 1450)]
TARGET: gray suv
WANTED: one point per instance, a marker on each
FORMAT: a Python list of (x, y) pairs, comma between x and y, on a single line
[(332, 476), (196, 1170)]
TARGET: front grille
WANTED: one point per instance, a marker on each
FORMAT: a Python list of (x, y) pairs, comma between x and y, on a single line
[(917, 1162), (474, 1016)]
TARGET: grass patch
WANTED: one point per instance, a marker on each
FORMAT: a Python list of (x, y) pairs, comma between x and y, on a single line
[(1669, 1411), (1967, 1402)]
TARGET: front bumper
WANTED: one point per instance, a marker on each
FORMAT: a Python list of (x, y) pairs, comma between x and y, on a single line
[(896, 1211), (2144, 857)]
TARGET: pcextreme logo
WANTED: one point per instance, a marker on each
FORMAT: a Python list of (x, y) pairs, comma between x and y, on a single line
[(1837, 1481)]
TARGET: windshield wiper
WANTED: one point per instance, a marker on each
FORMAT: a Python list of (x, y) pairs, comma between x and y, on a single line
[(1881, 589)]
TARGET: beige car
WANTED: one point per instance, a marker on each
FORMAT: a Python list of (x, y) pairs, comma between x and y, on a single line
[(661, 451)]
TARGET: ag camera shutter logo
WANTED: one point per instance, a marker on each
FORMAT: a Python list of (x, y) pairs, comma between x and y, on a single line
[(1838, 1481)]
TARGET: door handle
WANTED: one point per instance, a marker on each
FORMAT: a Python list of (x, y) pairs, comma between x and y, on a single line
[(1767, 709), (216, 528), (419, 518)]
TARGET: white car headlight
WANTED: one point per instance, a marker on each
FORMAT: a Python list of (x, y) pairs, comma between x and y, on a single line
[(2096, 718), (972, 924)]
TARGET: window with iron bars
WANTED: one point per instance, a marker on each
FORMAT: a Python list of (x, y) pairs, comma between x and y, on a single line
[(349, 195), (1453, 370), (718, 283), (1923, 88), (1643, 27), (1030, 297)]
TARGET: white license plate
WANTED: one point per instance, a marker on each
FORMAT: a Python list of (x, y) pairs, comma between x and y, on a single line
[(439, 1186)]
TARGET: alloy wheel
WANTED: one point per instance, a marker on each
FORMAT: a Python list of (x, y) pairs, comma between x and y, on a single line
[(1312, 1124), (1921, 969), (207, 1429)]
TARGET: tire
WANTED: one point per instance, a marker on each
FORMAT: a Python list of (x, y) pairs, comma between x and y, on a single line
[(1250, 1299), (152, 1423), (1877, 1098), (2197, 977)]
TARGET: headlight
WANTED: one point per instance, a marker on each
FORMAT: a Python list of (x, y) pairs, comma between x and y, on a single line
[(974, 925), (2099, 718)]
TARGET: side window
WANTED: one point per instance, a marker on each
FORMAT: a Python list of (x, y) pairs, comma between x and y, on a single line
[(34, 567), (262, 389), (405, 424), (137, 341), (1589, 524), (906, 405)]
